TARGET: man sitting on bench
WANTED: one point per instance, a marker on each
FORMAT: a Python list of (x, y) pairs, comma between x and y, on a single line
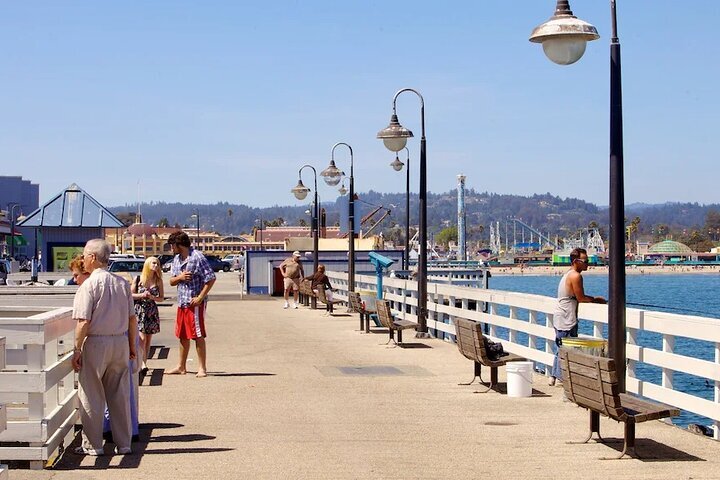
[(319, 279)]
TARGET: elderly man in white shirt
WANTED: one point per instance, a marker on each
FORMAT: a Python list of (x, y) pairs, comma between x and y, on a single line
[(105, 337)]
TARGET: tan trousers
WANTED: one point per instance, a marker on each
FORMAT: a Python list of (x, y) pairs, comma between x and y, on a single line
[(105, 378)]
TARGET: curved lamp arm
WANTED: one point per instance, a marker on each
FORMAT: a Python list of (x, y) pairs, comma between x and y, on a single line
[(422, 106)]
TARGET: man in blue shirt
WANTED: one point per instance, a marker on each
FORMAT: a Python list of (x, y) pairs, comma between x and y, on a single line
[(194, 278)]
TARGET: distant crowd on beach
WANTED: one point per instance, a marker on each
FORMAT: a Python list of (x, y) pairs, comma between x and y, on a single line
[(603, 269)]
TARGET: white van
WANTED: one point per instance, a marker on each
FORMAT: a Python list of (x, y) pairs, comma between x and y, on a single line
[(235, 260), (116, 256)]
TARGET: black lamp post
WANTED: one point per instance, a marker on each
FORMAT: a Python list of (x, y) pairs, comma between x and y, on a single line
[(197, 228), (397, 165), (300, 191), (12, 207), (564, 38), (395, 138), (261, 232), (332, 176)]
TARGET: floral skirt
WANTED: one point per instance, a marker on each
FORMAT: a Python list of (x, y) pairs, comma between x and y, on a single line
[(148, 317)]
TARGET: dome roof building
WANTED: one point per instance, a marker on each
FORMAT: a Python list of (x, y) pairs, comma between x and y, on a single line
[(670, 247), (140, 229)]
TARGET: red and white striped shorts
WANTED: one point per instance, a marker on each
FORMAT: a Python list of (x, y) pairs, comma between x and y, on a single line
[(190, 322)]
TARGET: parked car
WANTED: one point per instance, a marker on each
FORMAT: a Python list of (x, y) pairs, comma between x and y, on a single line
[(133, 265), (164, 258), (216, 264), (235, 261)]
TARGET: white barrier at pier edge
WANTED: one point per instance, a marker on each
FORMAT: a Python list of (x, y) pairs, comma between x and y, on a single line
[(38, 383), (3, 411), (529, 317)]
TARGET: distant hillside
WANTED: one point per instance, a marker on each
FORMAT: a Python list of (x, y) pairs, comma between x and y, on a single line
[(546, 212)]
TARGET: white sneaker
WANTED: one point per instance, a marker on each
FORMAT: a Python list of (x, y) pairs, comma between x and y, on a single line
[(286, 305), (295, 305), (551, 381)]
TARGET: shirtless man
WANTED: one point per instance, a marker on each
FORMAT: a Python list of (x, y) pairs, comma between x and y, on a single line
[(570, 294)]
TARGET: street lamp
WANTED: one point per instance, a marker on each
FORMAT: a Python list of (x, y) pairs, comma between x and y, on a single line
[(568, 29), (261, 231), (564, 36), (332, 176), (300, 191), (395, 136), (397, 165), (196, 216), (11, 207)]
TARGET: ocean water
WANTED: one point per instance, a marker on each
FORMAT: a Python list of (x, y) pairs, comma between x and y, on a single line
[(689, 294)]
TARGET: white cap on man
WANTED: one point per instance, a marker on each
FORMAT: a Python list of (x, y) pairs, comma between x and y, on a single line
[(296, 254)]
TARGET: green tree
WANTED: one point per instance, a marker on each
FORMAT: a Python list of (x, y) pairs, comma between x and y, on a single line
[(163, 222), (446, 235), (127, 218), (698, 241), (712, 224)]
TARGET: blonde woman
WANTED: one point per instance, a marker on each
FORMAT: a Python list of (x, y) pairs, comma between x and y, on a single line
[(148, 289)]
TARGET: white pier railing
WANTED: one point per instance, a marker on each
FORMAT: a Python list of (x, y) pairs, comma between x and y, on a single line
[(523, 322), (37, 384)]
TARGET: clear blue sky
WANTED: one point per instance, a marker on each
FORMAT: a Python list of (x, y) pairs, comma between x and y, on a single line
[(207, 101)]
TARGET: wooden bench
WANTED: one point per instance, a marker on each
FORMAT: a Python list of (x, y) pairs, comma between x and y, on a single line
[(306, 292), (591, 382), (329, 304), (356, 306), (472, 345), (386, 320)]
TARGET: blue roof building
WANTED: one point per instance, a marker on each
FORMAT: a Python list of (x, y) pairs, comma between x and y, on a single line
[(65, 223)]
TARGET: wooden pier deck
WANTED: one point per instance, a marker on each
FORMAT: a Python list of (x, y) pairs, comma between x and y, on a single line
[(297, 394)]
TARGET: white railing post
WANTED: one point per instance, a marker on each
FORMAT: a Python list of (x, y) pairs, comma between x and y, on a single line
[(512, 335), (532, 319), (632, 340), (493, 328), (668, 345)]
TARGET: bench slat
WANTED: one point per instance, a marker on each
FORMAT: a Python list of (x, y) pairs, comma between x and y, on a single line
[(592, 394), (606, 364), (643, 410), (404, 324), (590, 372)]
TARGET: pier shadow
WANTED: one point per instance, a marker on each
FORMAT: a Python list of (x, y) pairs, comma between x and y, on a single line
[(501, 388), (154, 376), (649, 450), (148, 436), (410, 345), (241, 374), (259, 298), (160, 352)]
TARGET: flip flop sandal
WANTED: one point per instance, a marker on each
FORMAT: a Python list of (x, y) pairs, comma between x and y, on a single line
[(87, 451)]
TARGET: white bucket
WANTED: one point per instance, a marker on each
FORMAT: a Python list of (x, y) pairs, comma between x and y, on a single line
[(519, 379)]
